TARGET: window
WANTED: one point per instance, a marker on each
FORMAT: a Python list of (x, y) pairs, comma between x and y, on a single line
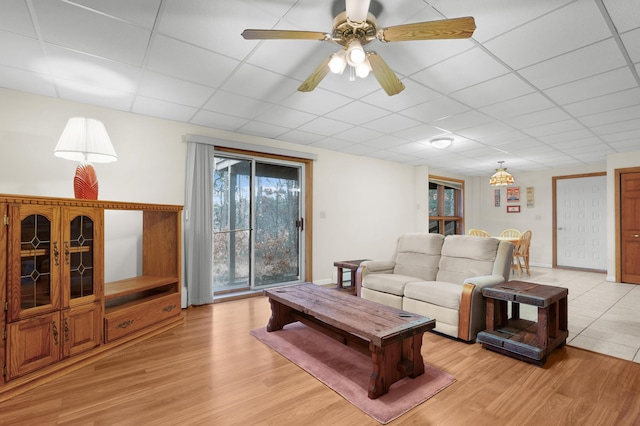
[(446, 215)]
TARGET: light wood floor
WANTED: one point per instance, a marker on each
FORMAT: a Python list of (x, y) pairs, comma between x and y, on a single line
[(210, 371)]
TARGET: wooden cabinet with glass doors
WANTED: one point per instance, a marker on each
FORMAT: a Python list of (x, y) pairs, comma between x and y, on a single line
[(57, 310), (54, 277)]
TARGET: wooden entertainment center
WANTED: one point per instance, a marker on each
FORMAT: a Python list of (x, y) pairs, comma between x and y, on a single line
[(57, 313)]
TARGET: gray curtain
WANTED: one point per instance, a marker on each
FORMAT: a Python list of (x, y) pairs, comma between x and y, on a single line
[(198, 226)]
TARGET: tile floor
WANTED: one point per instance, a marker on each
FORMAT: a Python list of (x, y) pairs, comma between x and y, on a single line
[(603, 316)]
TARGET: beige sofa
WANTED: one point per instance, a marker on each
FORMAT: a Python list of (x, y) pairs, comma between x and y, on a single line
[(439, 277)]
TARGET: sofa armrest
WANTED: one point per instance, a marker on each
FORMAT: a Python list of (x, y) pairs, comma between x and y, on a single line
[(472, 314), (372, 267), (379, 266)]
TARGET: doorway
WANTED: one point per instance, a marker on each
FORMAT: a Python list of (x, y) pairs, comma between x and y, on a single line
[(627, 202), (258, 223), (580, 227)]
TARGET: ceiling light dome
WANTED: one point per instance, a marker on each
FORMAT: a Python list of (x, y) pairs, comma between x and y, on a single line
[(441, 143)]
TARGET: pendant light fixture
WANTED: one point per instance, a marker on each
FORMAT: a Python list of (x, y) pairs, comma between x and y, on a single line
[(501, 177)]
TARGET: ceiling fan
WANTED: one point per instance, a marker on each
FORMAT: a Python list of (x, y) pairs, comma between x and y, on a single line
[(356, 27)]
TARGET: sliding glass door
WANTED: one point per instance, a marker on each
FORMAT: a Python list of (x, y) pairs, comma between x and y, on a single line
[(257, 223)]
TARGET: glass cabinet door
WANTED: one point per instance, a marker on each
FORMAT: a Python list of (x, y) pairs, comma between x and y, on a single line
[(34, 246), (80, 240)]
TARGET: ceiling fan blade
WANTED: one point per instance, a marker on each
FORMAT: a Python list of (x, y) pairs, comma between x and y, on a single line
[(283, 34), (316, 76), (357, 10), (385, 76), (432, 30)]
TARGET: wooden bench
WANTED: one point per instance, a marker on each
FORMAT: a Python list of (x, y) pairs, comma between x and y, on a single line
[(392, 337)]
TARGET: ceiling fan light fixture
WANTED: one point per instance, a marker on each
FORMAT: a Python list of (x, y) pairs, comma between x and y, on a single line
[(363, 69), (357, 10), (355, 53), (441, 143), (501, 177), (338, 62)]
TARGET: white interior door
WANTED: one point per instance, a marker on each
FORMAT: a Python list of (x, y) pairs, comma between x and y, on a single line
[(581, 222)]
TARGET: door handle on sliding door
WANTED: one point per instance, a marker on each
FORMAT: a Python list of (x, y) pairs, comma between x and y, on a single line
[(300, 224)]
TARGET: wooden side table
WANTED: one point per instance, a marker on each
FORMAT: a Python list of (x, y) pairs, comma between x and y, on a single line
[(529, 341), (348, 264)]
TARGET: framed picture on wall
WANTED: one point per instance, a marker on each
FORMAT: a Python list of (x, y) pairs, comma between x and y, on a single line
[(530, 196), (513, 209), (496, 198), (513, 194)]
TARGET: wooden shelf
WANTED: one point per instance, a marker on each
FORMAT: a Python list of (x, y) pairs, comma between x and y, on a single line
[(134, 285)]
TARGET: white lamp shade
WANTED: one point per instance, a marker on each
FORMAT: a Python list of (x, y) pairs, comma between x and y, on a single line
[(355, 53), (85, 139)]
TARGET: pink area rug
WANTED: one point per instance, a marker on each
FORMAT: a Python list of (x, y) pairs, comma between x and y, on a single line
[(347, 371)]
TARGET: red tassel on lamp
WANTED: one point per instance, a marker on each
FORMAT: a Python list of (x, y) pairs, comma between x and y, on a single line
[(85, 140)]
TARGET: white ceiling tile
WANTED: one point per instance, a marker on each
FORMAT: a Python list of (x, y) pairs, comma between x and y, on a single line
[(143, 13), (455, 74), (408, 148), (15, 18), (626, 145), (262, 129), (465, 145), (300, 137), (22, 52), (158, 108), (463, 120), (285, 117), (27, 81), (385, 142), (354, 89), (604, 103), (435, 109), (575, 65), (579, 134), (295, 58), (495, 17), (332, 144), (625, 14), (391, 123), (107, 98), (485, 130), (214, 25), (170, 89), (493, 91), (318, 102), (591, 87), (407, 58), (627, 135), (254, 82), (218, 120), (420, 133), (178, 59), (525, 104), (74, 27), (549, 129), (357, 113), (549, 35), (413, 95), (359, 134), (504, 139), (631, 41), (325, 126), (609, 117), (537, 118), (236, 105), (623, 126)]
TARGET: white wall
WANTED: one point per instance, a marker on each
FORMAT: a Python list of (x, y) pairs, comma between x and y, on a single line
[(367, 202)]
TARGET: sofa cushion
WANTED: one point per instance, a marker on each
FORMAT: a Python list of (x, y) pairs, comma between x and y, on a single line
[(465, 256), (418, 255), (438, 293), (387, 283)]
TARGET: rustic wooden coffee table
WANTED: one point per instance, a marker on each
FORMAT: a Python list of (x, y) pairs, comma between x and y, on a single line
[(392, 337)]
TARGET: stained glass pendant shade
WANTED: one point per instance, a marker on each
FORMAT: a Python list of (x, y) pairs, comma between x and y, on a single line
[(501, 176)]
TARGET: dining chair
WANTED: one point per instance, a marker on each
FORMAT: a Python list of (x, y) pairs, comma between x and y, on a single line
[(511, 233), (521, 254), (479, 233)]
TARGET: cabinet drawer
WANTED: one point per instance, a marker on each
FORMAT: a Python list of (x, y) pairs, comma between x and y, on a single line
[(134, 318)]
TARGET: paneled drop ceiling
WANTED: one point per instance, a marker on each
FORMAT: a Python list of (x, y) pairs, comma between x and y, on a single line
[(541, 84)]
